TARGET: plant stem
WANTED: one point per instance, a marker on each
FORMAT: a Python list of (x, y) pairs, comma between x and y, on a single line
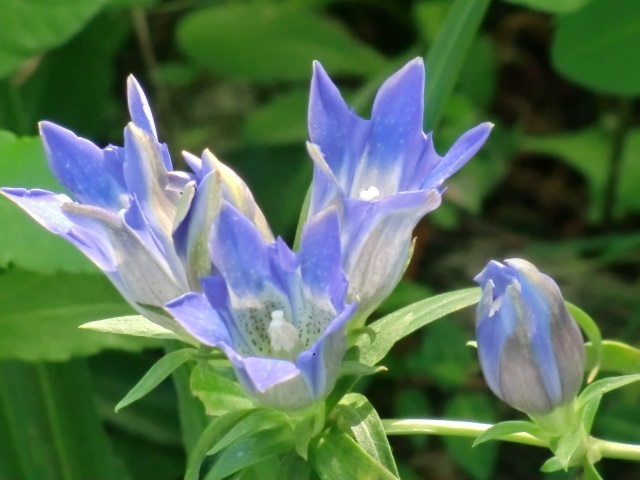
[(607, 449), (451, 427)]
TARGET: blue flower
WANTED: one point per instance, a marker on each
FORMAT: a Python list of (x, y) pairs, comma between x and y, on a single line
[(382, 174), (278, 316), (144, 224), (530, 347)]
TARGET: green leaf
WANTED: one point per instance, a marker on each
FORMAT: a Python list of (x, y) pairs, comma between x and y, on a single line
[(598, 46), (256, 421), (551, 465), (589, 472), (600, 387), (50, 427), (552, 6), (210, 435), (395, 326), (218, 392), (335, 455), (590, 328), (161, 370), (23, 242), (503, 429), (350, 367), (616, 357), (272, 42), (357, 414), (41, 314), (448, 53), (251, 450), (30, 28), (589, 413), (134, 325), (565, 447)]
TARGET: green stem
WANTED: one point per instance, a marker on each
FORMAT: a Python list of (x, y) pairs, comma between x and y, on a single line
[(607, 449), (451, 427)]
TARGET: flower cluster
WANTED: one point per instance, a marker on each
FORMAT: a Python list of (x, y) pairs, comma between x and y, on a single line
[(196, 244)]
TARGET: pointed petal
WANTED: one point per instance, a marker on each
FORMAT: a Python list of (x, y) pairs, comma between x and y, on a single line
[(236, 192), (321, 258), (239, 252), (139, 107), (46, 209), (325, 189), (147, 180), (396, 131), (460, 153), (199, 319), (340, 133), (93, 175)]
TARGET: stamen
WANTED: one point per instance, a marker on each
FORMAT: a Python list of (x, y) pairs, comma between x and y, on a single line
[(369, 194), (495, 306), (283, 335)]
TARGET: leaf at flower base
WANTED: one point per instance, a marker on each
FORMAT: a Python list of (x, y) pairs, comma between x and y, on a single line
[(588, 413), (551, 465), (134, 325), (589, 472), (218, 392), (617, 357), (357, 414), (590, 328), (30, 28), (256, 421), (250, 450), (272, 42), (335, 455), (565, 447), (605, 385), (161, 370), (504, 429), (395, 326), (211, 434), (354, 368), (40, 316), (598, 46)]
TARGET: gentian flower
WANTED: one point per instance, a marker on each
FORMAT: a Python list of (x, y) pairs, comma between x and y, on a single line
[(382, 174), (278, 316), (145, 225), (530, 347)]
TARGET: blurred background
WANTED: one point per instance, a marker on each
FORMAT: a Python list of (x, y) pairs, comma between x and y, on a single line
[(557, 183)]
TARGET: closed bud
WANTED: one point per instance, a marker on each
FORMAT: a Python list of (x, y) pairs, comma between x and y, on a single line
[(531, 349)]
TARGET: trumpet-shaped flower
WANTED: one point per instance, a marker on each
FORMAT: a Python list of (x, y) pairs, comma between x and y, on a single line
[(145, 225), (278, 316), (530, 347), (383, 174)]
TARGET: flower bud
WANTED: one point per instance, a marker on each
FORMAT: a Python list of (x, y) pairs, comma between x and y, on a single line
[(531, 349)]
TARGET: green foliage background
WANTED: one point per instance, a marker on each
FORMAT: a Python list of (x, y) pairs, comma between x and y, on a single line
[(557, 183)]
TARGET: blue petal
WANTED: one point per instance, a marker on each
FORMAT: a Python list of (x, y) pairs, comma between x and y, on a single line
[(46, 208), (239, 252), (139, 107), (320, 364), (376, 241), (321, 258), (500, 275), (93, 175), (325, 189), (339, 133), (199, 319), (396, 132), (460, 153)]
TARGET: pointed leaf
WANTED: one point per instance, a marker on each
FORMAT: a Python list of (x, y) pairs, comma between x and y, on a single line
[(503, 429), (251, 450), (589, 413), (599, 388), (617, 357), (134, 325), (393, 327), (336, 455), (590, 328), (218, 392), (362, 420), (551, 465), (589, 472), (565, 447), (161, 370)]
